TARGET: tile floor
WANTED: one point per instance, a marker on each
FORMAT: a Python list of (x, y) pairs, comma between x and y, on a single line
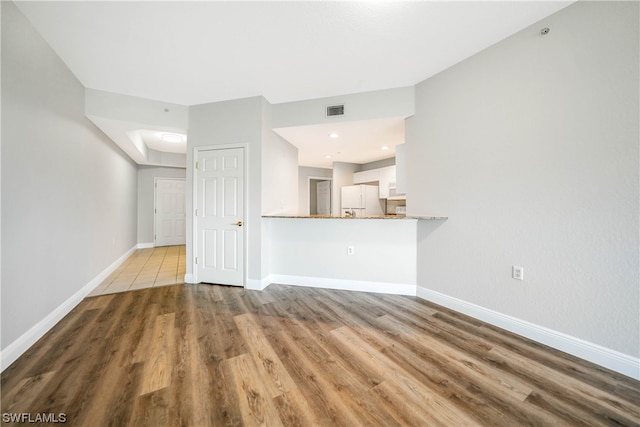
[(146, 268)]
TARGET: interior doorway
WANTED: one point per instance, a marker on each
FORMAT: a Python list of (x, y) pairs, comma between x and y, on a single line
[(319, 196), (169, 212)]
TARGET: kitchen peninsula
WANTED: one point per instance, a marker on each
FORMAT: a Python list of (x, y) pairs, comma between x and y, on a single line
[(371, 254), (422, 217)]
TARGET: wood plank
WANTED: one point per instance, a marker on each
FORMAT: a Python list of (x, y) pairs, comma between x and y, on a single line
[(108, 375), (256, 406), (20, 398), (275, 377), (114, 400), (469, 367), (327, 394), (159, 363), (151, 409), (213, 347), (433, 406), (189, 393), (584, 371), (42, 357), (206, 355), (602, 402), (468, 380)]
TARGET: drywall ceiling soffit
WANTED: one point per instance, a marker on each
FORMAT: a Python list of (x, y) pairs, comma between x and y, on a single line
[(143, 146), (140, 126), (199, 52)]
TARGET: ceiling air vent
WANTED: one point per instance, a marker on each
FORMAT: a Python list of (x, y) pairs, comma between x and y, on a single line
[(335, 110)]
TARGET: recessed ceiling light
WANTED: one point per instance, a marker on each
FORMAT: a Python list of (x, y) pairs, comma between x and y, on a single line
[(327, 156), (334, 135), (384, 147), (172, 137)]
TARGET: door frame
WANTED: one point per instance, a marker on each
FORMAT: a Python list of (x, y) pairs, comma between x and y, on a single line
[(318, 178), (246, 223), (155, 206)]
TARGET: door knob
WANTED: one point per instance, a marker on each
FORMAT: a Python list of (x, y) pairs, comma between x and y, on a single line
[(239, 223)]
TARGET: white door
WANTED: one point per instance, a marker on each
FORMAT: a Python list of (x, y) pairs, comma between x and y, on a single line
[(324, 197), (219, 240), (170, 226)]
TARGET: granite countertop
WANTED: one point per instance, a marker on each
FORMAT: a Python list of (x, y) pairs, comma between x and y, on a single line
[(392, 217)]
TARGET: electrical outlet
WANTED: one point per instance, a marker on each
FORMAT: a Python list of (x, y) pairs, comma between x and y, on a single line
[(350, 250), (517, 272)]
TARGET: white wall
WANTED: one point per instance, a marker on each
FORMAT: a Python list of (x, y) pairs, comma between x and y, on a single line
[(146, 192), (125, 108), (165, 159), (313, 252), (279, 170), (68, 193), (531, 149), (397, 102), (231, 122)]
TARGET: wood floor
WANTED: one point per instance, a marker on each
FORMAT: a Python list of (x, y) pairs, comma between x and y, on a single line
[(204, 355)]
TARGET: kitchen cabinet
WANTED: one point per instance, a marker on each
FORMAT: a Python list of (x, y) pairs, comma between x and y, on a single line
[(363, 177), (387, 176), (385, 179)]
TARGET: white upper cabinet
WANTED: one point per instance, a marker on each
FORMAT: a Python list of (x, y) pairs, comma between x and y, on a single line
[(387, 179), (389, 183), (363, 177), (384, 177)]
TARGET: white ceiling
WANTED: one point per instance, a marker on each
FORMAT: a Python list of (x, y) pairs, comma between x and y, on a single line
[(358, 142), (205, 51)]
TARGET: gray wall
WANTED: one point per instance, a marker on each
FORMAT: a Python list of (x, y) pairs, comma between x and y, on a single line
[(68, 194), (279, 169), (146, 191), (391, 161), (531, 149)]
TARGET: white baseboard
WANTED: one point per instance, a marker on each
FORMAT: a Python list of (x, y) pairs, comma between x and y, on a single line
[(342, 284), (611, 359), (37, 331), (188, 278), (258, 284), (145, 245)]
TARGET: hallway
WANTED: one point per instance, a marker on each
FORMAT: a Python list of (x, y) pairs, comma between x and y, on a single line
[(146, 268)]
